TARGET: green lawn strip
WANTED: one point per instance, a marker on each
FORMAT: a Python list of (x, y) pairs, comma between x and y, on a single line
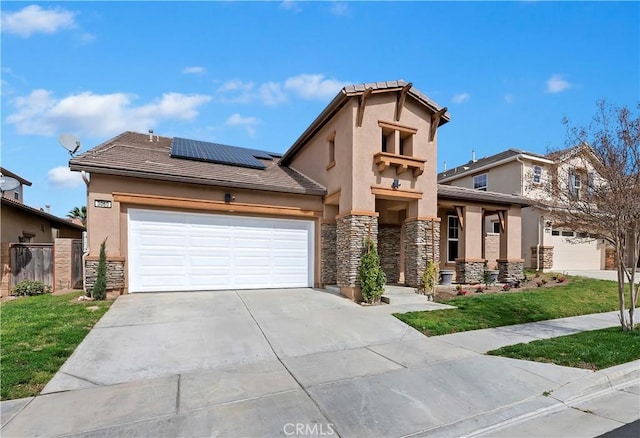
[(37, 334), (592, 350), (580, 297)]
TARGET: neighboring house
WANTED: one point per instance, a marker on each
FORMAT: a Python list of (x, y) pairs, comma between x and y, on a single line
[(526, 174), (17, 193), (181, 215), (24, 224)]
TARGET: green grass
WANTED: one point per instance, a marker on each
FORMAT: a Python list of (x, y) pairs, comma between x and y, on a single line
[(580, 297), (37, 334), (593, 350)]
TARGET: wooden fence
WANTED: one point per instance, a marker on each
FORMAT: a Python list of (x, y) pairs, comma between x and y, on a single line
[(77, 279), (31, 261)]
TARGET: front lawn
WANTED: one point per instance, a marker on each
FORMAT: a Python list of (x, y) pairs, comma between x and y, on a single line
[(592, 350), (37, 334), (580, 297)]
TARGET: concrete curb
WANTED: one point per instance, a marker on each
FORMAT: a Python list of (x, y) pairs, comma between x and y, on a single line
[(580, 390)]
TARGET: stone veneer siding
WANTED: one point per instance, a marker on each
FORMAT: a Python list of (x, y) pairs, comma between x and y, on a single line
[(510, 270), (115, 274), (351, 232), (469, 271), (546, 257), (389, 251), (328, 248), (610, 262), (421, 243)]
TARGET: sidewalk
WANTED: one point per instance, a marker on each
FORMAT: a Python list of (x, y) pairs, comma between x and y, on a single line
[(418, 386)]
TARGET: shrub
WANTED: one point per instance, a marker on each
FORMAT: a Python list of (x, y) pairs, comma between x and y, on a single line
[(100, 286), (429, 278), (372, 278), (479, 289), (506, 287), (31, 287)]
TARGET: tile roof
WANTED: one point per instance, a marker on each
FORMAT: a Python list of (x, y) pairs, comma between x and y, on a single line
[(132, 154), (67, 222), (472, 166), (466, 194)]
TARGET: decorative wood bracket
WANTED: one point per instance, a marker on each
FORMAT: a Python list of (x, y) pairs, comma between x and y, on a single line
[(361, 104), (460, 214), (402, 163), (435, 121), (401, 98), (502, 219)]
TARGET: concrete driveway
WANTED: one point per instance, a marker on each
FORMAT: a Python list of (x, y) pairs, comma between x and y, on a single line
[(294, 362)]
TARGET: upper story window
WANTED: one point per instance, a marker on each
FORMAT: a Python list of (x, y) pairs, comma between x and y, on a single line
[(480, 182), (575, 182), (397, 139), (537, 174), (16, 196), (332, 150)]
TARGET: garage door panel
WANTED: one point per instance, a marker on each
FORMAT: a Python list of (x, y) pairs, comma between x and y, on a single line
[(191, 251)]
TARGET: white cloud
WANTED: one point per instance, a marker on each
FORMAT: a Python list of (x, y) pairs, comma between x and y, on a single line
[(557, 84), (194, 70), (245, 122), (339, 9), (236, 91), (34, 19), (509, 98), (62, 177), (313, 86), (271, 93), (291, 5), (461, 98), (98, 115)]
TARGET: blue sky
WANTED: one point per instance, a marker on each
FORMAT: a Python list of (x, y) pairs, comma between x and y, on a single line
[(256, 74)]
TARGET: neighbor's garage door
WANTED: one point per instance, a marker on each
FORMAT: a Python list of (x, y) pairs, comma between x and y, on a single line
[(173, 251)]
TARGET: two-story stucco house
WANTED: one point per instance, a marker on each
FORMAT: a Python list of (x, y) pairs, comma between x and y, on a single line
[(180, 214), (528, 174)]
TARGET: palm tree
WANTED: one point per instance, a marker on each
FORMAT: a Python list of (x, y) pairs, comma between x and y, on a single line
[(79, 213)]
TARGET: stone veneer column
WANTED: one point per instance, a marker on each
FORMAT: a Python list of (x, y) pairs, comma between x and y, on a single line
[(422, 243), (469, 271), (328, 253), (389, 251), (351, 232), (546, 257), (510, 269), (115, 274)]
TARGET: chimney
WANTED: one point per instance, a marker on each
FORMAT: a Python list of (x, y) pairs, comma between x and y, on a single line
[(445, 166), (151, 135), (473, 155), (47, 208)]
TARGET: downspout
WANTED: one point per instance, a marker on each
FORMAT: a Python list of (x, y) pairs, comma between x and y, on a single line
[(85, 252), (540, 222)]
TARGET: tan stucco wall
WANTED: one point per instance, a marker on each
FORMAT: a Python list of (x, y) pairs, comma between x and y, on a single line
[(355, 171), (505, 178), (530, 226), (16, 222)]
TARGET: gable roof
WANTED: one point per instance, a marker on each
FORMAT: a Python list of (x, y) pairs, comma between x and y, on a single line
[(132, 154), (7, 172), (343, 97), (6, 202), (467, 194), (489, 162)]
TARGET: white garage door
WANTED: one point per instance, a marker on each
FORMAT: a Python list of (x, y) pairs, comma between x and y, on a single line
[(173, 251)]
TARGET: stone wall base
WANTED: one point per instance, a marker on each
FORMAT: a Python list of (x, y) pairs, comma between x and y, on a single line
[(546, 257), (421, 244), (115, 274), (510, 270), (389, 251), (328, 254), (351, 232), (610, 262), (469, 271)]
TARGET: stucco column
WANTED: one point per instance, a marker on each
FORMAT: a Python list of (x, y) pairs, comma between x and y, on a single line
[(510, 263), (351, 232), (470, 262), (421, 244)]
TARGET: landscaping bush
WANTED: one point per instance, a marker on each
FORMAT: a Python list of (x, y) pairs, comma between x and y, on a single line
[(100, 286), (31, 287), (372, 278), (429, 278)]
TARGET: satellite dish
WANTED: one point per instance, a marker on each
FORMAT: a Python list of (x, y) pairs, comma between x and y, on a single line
[(69, 142), (7, 183)]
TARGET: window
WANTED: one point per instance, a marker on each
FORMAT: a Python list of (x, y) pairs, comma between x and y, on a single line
[(397, 139), (495, 227), (401, 148), (452, 238), (575, 182), (555, 232), (568, 234), (332, 151), (480, 182), (384, 142), (537, 174), (16, 196)]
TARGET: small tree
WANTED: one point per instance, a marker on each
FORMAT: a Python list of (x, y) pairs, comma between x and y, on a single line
[(429, 278), (100, 286), (372, 278), (596, 191), (78, 213)]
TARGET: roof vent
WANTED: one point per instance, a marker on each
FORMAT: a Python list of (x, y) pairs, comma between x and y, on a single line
[(151, 135), (473, 156)]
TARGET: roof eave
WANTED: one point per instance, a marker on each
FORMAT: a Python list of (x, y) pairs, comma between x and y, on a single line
[(44, 214), (75, 166)]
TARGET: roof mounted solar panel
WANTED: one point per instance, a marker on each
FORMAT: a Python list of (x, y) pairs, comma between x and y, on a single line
[(218, 153)]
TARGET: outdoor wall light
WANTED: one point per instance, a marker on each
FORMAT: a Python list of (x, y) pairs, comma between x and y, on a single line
[(395, 184), (228, 197)]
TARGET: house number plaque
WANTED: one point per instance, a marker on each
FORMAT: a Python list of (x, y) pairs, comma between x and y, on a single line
[(101, 203)]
